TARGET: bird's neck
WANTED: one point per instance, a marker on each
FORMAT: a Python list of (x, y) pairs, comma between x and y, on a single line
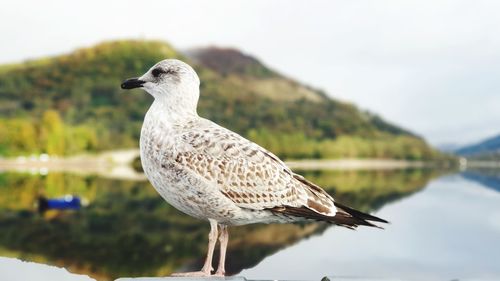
[(169, 113)]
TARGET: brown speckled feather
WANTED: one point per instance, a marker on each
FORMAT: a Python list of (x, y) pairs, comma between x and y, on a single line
[(249, 175)]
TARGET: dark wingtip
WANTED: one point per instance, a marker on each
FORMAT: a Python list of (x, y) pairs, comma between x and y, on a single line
[(359, 214)]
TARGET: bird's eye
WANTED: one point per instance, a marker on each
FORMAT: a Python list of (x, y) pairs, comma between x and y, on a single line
[(156, 72)]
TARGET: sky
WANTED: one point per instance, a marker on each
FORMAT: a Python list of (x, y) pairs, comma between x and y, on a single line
[(430, 66)]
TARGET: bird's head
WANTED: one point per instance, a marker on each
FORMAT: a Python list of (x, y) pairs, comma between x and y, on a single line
[(170, 81)]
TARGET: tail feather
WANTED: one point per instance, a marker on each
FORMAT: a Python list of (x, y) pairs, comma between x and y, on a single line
[(345, 216), (358, 214)]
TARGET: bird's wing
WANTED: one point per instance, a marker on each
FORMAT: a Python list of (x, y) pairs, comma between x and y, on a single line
[(248, 174)]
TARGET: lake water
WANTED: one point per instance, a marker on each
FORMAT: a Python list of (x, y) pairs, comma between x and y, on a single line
[(443, 226)]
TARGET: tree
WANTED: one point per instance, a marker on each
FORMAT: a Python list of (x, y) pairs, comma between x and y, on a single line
[(52, 133)]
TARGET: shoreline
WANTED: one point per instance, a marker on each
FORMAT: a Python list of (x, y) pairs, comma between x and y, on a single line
[(110, 164), (355, 164), (117, 164)]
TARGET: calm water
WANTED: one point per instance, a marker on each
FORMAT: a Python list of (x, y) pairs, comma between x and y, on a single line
[(450, 229), (442, 227)]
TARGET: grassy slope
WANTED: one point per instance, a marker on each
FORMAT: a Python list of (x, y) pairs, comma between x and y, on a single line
[(73, 103)]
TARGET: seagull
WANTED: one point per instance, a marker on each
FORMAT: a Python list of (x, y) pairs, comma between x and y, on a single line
[(214, 174)]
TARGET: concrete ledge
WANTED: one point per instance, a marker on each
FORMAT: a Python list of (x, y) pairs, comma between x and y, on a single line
[(231, 278), (241, 278)]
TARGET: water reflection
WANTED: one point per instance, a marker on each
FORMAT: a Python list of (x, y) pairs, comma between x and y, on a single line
[(128, 230), (489, 178), (448, 231)]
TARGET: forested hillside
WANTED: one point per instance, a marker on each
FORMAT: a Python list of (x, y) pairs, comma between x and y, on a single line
[(73, 103)]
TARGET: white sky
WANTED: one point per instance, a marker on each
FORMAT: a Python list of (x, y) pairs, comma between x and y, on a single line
[(430, 66)]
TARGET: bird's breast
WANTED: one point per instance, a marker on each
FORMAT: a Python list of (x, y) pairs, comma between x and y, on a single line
[(157, 145)]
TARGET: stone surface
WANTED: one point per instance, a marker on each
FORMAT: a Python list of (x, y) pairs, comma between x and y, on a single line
[(231, 278), (241, 278)]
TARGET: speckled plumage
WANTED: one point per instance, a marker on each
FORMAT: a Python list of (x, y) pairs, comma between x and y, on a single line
[(208, 171), (212, 173)]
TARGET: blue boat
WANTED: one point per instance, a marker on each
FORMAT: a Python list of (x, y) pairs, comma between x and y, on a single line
[(68, 202)]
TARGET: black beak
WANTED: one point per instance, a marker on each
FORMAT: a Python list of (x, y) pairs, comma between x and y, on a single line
[(132, 83)]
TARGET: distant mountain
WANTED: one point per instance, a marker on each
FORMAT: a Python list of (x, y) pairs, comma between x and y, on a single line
[(73, 103), (489, 148)]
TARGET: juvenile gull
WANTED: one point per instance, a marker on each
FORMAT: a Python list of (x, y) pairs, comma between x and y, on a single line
[(214, 174)]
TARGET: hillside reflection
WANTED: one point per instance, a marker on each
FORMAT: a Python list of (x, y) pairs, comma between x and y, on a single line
[(487, 177), (128, 230)]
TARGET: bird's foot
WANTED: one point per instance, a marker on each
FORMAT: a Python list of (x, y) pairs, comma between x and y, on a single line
[(219, 273), (200, 273)]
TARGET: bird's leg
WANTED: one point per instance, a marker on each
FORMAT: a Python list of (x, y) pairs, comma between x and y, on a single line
[(212, 239), (206, 270), (223, 239)]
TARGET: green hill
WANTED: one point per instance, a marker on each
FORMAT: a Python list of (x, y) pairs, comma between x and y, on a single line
[(73, 103)]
